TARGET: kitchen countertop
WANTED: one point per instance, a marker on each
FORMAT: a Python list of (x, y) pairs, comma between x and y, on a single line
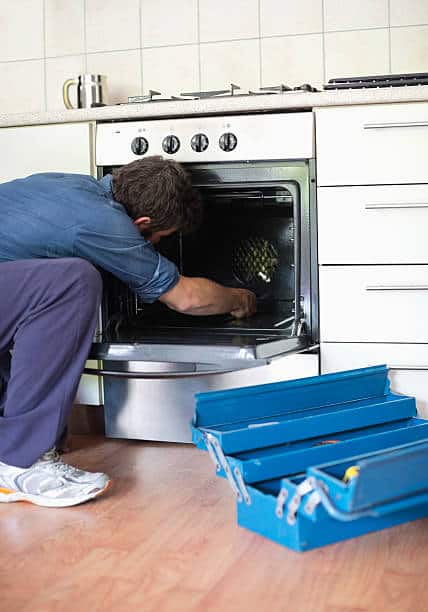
[(222, 105)]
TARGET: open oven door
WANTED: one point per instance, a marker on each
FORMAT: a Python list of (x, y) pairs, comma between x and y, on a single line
[(197, 355), (149, 388)]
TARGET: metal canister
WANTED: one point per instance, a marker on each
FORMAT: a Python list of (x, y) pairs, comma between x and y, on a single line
[(91, 91)]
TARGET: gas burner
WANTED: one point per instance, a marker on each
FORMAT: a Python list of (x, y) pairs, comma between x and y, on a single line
[(279, 89), (305, 87), (276, 88)]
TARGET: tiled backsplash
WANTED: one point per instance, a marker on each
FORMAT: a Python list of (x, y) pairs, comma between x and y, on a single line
[(180, 45)]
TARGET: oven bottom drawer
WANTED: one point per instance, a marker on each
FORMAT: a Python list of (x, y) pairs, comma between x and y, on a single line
[(162, 410), (408, 365)]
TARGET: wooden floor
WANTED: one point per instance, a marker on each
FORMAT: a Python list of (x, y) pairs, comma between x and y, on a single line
[(164, 538)]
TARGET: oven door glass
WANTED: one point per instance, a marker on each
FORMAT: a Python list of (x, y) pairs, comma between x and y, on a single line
[(251, 237)]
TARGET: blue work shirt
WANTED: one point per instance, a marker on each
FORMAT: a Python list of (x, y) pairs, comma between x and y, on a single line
[(74, 215)]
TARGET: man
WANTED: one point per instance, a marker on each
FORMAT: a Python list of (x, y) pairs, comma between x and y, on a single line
[(51, 227)]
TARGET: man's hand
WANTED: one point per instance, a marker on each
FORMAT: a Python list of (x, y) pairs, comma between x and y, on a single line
[(247, 306), (200, 296)]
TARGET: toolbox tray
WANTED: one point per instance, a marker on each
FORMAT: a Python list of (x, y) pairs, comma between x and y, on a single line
[(285, 448)]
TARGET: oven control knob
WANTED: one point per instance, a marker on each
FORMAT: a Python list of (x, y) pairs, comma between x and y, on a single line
[(170, 144), (199, 142), (139, 145), (228, 141)]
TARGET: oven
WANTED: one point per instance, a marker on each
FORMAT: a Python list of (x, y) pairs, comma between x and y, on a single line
[(256, 177)]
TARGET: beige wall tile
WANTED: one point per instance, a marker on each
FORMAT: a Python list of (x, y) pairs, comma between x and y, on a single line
[(352, 15), (112, 25), (59, 69), (64, 27), (21, 30), (25, 91), (358, 53), (163, 23), (226, 19), (409, 12), (123, 71), (292, 60), (278, 17), (171, 70), (357, 42), (409, 49), (230, 62)]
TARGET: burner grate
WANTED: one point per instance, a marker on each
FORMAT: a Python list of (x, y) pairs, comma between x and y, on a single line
[(156, 96)]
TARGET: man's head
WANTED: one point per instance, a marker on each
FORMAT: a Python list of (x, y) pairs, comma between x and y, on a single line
[(158, 195)]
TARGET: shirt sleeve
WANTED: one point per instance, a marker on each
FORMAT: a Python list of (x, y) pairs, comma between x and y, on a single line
[(129, 257)]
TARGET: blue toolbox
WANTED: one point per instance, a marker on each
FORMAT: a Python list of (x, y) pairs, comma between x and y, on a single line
[(318, 460)]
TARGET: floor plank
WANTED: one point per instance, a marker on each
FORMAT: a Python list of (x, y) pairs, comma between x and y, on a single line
[(164, 538)]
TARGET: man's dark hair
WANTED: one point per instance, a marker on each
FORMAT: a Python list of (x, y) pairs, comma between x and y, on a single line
[(160, 189)]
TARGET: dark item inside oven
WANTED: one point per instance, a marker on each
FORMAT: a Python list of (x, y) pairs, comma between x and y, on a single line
[(247, 239)]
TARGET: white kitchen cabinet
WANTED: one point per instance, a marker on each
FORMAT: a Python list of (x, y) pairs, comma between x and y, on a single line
[(408, 365), (373, 303), (379, 144), (384, 224), (67, 147), (372, 196)]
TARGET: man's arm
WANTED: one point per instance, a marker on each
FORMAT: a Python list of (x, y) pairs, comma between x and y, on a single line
[(200, 296)]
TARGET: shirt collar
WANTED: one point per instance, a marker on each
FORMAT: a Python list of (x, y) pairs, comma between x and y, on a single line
[(106, 183)]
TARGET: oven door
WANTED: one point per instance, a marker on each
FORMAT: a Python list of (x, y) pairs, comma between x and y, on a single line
[(183, 358), (257, 234)]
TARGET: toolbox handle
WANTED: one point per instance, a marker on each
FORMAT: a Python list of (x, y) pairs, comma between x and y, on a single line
[(332, 510), (319, 489)]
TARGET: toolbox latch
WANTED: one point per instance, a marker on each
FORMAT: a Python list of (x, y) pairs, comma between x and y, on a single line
[(219, 459)]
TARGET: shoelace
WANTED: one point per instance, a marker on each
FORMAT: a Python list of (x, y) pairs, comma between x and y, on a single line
[(53, 458)]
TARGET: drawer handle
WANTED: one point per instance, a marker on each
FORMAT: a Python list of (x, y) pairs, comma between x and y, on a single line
[(407, 367), (396, 205), (397, 288), (404, 124)]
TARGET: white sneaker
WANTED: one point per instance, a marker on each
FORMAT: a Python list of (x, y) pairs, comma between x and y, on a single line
[(50, 482)]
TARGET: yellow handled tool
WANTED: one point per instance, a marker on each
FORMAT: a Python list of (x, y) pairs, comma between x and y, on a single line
[(351, 472)]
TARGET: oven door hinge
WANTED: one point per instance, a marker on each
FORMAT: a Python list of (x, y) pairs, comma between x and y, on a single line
[(220, 461), (299, 327)]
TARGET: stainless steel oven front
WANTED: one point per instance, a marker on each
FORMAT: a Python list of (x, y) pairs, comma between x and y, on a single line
[(256, 177)]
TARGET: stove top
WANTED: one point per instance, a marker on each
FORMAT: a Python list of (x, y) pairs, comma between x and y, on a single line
[(232, 90)]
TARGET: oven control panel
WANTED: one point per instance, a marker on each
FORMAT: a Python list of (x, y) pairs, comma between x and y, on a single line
[(208, 139)]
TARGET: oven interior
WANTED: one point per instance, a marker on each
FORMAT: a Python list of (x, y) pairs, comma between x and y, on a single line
[(249, 238)]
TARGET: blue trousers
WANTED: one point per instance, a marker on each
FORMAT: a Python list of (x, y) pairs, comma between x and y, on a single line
[(48, 314)]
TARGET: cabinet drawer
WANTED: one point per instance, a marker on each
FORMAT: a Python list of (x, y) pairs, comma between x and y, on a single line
[(373, 303), (373, 225), (372, 145), (408, 363)]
